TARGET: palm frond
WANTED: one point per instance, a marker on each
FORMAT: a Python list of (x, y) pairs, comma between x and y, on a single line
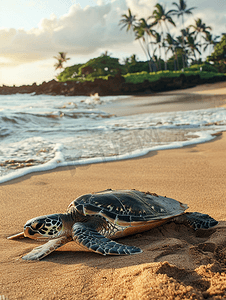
[(178, 7)]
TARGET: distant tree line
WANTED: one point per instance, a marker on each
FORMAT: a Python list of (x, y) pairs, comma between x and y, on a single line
[(153, 34)]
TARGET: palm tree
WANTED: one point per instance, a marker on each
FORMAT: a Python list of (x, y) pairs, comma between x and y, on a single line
[(125, 60), (128, 61), (139, 28), (158, 43), (143, 32), (61, 57), (161, 16), (193, 45), (133, 59), (179, 50), (185, 33), (180, 12), (210, 41), (172, 46), (106, 53), (199, 29), (128, 21)]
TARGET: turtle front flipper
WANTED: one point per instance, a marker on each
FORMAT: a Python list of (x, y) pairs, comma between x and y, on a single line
[(44, 250), (92, 240)]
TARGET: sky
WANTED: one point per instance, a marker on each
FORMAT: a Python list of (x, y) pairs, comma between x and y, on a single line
[(33, 31)]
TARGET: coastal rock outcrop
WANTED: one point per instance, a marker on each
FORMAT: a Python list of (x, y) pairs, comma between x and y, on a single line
[(113, 86)]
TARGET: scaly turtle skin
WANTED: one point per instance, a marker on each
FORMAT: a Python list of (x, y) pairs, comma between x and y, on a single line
[(93, 220)]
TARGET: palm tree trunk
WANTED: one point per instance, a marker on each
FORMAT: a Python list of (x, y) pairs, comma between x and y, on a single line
[(195, 55), (165, 63), (143, 48), (177, 61), (152, 63), (146, 54), (200, 55), (150, 58), (155, 67), (183, 52), (160, 55)]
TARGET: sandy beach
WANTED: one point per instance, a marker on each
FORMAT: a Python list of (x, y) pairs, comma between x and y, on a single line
[(176, 263), (200, 97)]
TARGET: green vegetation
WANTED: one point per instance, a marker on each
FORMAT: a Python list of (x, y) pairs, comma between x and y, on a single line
[(69, 73), (154, 76), (204, 67), (132, 70), (99, 67), (218, 57)]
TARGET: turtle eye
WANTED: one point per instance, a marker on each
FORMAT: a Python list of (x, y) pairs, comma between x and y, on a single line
[(37, 226)]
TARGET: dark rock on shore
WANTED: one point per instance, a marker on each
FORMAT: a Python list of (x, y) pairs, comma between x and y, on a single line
[(113, 86)]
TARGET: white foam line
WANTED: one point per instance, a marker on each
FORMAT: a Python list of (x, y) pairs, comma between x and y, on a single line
[(57, 161), (52, 164)]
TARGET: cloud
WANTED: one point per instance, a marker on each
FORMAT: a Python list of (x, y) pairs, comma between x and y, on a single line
[(216, 20), (84, 31), (81, 31), (141, 8)]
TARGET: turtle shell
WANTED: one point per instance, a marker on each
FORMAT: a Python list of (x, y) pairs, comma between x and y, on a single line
[(128, 207)]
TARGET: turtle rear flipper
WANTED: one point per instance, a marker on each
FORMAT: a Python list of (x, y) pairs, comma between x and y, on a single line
[(44, 250), (197, 220), (94, 241)]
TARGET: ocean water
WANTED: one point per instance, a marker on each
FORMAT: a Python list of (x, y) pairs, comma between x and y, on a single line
[(39, 133)]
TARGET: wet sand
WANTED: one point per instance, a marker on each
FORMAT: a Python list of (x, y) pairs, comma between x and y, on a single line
[(176, 263)]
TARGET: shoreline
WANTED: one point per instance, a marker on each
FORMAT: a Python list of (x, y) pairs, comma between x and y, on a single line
[(199, 97), (177, 262), (69, 167), (164, 102), (183, 100)]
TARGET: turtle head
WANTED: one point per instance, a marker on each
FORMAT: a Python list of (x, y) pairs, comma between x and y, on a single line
[(44, 227)]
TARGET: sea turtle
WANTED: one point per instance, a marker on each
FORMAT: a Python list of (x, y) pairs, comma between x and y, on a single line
[(92, 220)]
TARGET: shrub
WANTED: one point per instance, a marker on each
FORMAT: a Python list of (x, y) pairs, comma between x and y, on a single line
[(142, 76), (205, 67), (101, 66), (69, 73)]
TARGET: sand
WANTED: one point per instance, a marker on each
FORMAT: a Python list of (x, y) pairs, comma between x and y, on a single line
[(176, 263), (200, 97)]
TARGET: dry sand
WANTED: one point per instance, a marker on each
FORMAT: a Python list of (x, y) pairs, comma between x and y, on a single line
[(176, 263), (208, 89)]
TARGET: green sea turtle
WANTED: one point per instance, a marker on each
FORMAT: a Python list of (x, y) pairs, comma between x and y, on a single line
[(93, 220)]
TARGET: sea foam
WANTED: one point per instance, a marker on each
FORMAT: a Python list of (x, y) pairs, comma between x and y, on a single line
[(45, 132)]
